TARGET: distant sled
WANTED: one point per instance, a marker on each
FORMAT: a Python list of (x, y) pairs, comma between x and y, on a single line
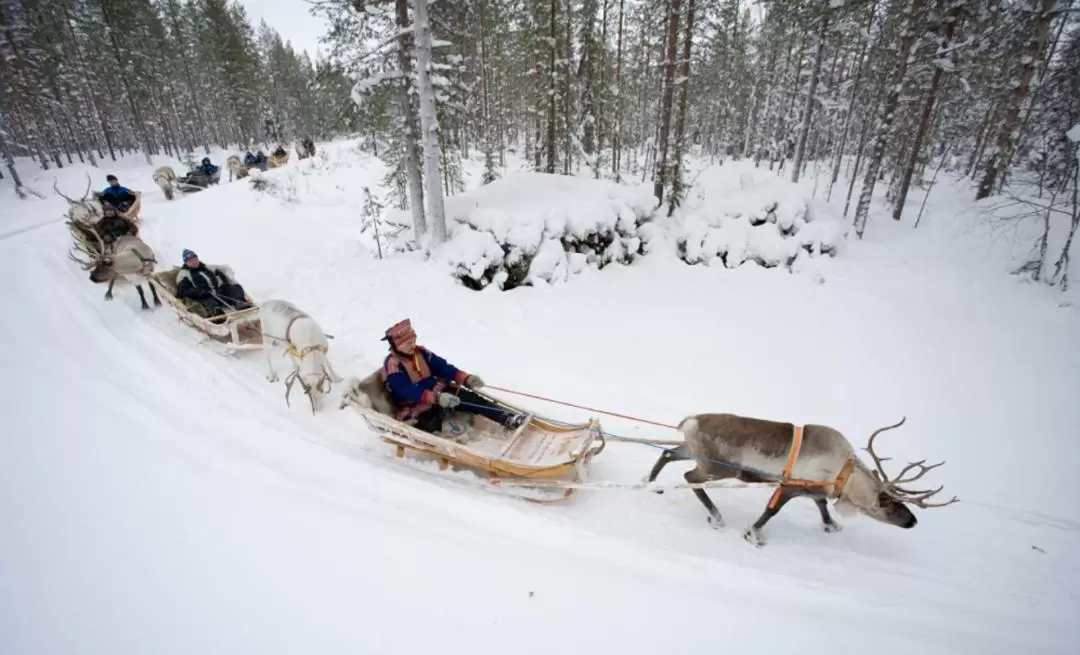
[(541, 449), (237, 330)]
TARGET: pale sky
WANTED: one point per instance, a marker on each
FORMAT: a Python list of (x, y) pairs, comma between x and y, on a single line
[(291, 20)]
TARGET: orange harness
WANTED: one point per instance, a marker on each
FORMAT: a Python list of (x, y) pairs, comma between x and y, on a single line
[(837, 485)]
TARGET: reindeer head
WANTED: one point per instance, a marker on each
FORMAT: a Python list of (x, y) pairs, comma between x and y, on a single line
[(314, 373), (98, 263), (882, 498), (85, 210)]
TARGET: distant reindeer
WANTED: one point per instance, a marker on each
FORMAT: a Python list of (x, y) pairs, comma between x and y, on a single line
[(307, 345), (236, 168), (165, 178), (816, 460), (130, 258)]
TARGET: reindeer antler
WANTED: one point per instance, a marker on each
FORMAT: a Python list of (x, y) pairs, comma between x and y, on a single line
[(86, 193), (892, 486), (61, 193)]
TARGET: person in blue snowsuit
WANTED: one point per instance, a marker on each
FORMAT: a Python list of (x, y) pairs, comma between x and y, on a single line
[(249, 159), (425, 387), (117, 196), (208, 169)]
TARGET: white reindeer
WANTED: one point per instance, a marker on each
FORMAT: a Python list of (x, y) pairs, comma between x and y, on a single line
[(165, 177), (130, 258), (236, 168), (306, 345)]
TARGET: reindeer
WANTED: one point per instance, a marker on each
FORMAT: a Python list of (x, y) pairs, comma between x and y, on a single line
[(85, 210), (130, 258), (236, 168), (815, 461), (307, 345), (165, 178)]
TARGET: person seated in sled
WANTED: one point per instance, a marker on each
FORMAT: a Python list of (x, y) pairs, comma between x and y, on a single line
[(115, 197), (208, 169), (209, 286), (249, 159), (419, 384)]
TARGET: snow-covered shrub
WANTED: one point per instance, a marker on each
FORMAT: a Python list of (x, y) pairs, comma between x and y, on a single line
[(761, 218), (529, 228)]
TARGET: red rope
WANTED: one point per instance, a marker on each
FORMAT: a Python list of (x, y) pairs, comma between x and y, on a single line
[(590, 409)]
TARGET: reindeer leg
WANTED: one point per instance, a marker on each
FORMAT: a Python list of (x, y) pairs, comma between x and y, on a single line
[(779, 498), (108, 292), (829, 524), (271, 375), (142, 297), (668, 456), (153, 292), (693, 476)]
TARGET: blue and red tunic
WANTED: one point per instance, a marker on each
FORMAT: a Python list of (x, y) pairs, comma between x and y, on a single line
[(414, 382)]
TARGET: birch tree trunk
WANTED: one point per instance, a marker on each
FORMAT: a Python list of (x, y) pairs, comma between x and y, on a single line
[(429, 124), (408, 110)]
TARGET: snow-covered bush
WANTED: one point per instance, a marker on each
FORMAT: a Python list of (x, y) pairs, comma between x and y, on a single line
[(532, 227), (764, 219)]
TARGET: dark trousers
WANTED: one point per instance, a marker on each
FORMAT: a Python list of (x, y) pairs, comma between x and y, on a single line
[(228, 298), (471, 402)]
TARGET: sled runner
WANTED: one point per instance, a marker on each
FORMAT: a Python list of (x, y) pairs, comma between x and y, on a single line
[(238, 330), (540, 449)]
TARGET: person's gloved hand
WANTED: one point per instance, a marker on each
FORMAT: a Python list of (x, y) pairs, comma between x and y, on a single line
[(448, 400), (474, 382)]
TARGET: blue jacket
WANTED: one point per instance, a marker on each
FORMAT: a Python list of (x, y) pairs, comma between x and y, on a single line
[(209, 169), (414, 382), (117, 195)]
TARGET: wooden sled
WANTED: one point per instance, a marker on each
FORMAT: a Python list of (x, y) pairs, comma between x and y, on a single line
[(239, 330), (274, 162), (540, 449)]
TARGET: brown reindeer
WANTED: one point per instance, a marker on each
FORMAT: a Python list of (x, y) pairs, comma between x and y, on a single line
[(815, 461)]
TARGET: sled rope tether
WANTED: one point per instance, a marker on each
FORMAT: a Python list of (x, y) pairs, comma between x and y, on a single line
[(589, 409)]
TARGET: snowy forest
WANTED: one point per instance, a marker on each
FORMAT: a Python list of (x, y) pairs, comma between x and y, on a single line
[(890, 92), (89, 79)]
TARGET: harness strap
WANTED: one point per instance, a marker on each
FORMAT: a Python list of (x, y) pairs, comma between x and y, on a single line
[(837, 484), (291, 349)]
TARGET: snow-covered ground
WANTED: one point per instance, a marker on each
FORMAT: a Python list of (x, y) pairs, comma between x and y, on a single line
[(157, 496)]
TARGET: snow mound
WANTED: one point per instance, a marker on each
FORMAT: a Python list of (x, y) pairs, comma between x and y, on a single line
[(741, 214), (530, 228)]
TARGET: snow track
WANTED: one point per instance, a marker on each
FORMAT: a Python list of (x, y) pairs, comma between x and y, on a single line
[(156, 496)]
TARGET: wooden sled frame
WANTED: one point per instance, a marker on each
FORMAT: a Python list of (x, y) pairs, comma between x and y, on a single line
[(540, 449), (240, 330)]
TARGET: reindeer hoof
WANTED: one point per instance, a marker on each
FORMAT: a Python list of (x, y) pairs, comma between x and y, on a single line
[(716, 522), (832, 527), (108, 296), (754, 537), (272, 378)]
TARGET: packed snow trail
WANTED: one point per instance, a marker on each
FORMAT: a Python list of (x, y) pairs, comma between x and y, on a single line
[(160, 497)]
